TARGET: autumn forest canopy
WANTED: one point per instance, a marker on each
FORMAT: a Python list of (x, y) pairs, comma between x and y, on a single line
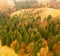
[(30, 28)]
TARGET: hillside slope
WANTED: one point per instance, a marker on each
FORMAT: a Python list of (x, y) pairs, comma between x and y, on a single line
[(43, 12), (50, 11)]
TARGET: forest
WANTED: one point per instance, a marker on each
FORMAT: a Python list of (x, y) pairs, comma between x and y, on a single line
[(30, 31)]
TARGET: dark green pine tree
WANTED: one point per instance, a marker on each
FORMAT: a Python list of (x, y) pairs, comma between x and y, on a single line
[(36, 49), (52, 28), (55, 40), (8, 40), (3, 40), (11, 34), (4, 35), (32, 37), (17, 47), (28, 25), (22, 30), (10, 37), (18, 36), (49, 17), (37, 36), (41, 30), (12, 27), (46, 33), (26, 38)]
